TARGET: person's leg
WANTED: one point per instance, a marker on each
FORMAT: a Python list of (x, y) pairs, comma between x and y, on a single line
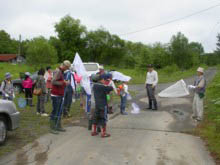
[(70, 98), (53, 114), (123, 104), (38, 104), (199, 108), (26, 95), (104, 133), (59, 115), (65, 103), (154, 100), (42, 102), (149, 98), (30, 94), (194, 107)]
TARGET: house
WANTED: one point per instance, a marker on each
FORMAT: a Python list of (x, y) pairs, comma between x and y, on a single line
[(12, 58)]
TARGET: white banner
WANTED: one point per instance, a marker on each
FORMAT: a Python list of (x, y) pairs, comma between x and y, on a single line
[(81, 71), (120, 77)]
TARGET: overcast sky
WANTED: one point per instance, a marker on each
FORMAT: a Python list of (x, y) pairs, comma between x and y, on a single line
[(32, 18)]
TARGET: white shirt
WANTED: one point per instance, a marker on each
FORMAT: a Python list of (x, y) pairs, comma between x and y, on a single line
[(126, 88), (152, 78), (112, 84)]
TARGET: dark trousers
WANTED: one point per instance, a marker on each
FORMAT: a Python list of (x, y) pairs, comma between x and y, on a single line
[(40, 103), (151, 96), (47, 96), (56, 108), (68, 96), (28, 95), (123, 103), (100, 117)]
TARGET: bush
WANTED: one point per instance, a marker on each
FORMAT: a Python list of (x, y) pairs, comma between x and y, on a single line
[(170, 69)]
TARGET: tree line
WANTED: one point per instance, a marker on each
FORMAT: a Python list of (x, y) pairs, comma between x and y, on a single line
[(108, 49)]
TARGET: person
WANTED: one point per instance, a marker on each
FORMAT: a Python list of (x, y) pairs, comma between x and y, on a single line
[(57, 93), (100, 114), (123, 94), (68, 93), (41, 84), (151, 83), (101, 70), (200, 87), (7, 87), (48, 78), (28, 89)]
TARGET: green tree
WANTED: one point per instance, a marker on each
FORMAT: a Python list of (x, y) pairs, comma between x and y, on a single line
[(40, 53), (7, 45), (72, 35)]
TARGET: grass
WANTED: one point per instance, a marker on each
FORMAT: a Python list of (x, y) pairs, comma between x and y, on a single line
[(209, 129), (165, 75), (33, 126)]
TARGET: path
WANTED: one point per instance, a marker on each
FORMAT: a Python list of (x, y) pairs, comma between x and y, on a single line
[(149, 138)]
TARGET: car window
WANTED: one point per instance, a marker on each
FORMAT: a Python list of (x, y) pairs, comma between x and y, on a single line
[(91, 67)]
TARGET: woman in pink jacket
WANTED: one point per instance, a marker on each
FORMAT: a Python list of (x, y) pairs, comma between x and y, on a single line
[(28, 88)]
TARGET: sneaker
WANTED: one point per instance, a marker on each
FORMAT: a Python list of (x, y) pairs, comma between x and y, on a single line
[(54, 131), (60, 129), (38, 113), (124, 113), (44, 115)]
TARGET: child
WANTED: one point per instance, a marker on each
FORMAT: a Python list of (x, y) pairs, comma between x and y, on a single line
[(28, 88), (123, 92), (48, 78), (7, 88)]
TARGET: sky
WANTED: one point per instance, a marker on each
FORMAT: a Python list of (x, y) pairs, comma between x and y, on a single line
[(32, 18)]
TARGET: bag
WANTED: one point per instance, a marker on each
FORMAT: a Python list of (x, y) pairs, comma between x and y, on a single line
[(37, 91), (201, 95)]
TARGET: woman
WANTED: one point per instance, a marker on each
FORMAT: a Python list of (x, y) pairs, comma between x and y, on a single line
[(28, 89), (48, 78), (40, 84), (7, 88)]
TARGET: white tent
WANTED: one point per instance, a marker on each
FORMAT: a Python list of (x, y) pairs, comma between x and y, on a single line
[(81, 71), (178, 89), (119, 76)]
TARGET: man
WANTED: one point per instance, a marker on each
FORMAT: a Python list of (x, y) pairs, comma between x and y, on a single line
[(151, 83), (57, 93), (100, 114), (200, 85), (101, 70), (7, 88), (68, 94)]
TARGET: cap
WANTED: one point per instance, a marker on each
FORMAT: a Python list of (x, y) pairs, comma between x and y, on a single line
[(200, 69), (101, 67), (27, 73), (67, 63), (8, 75), (150, 66)]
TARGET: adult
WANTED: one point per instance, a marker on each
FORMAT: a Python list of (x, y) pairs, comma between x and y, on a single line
[(200, 86), (57, 93), (48, 78), (68, 93), (28, 89), (151, 83), (101, 70), (40, 84), (7, 87), (100, 114)]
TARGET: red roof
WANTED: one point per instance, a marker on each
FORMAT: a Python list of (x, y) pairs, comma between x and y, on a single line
[(7, 57)]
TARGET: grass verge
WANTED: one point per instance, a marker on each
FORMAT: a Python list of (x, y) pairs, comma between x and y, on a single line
[(33, 126), (209, 128)]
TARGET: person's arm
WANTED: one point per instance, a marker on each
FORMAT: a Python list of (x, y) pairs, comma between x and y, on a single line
[(114, 87), (108, 89), (126, 89), (155, 79), (2, 87), (43, 85), (46, 76), (55, 79), (146, 79), (201, 83)]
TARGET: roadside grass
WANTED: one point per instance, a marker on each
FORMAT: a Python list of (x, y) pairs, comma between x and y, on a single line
[(33, 126), (209, 129)]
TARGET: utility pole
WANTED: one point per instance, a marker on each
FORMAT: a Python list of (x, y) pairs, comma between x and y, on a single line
[(19, 50)]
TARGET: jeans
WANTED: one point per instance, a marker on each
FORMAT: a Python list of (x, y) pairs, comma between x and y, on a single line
[(40, 103), (68, 95), (151, 96), (123, 103), (57, 107), (88, 103)]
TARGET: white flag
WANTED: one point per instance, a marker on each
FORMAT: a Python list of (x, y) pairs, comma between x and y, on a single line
[(119, 76), (178, 89), (81, 71)]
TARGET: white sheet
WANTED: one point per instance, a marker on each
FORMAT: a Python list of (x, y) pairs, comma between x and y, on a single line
[(119, 76)]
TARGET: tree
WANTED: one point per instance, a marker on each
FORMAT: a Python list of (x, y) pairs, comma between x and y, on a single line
[(72, 35), (40, 52), (7, 45), (180, 51)]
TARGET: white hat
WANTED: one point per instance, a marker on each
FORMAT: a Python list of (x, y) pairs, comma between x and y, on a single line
[(200, 69), (67, 63), (8, 75), (101, 67), (27, 73)]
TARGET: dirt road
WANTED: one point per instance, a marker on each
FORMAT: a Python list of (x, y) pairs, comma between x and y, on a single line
[(149, 138)]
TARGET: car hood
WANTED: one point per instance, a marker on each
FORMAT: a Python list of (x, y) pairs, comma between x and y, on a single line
[(7, 106)]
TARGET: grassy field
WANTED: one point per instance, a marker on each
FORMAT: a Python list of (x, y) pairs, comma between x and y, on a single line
[(209, 129)]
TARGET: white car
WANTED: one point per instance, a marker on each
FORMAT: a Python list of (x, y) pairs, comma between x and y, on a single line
[(91, 68)]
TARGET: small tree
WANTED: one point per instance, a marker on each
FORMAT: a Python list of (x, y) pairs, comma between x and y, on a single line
[(40, 53)]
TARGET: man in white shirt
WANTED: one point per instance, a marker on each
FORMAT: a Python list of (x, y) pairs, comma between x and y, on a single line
[(151, 83)]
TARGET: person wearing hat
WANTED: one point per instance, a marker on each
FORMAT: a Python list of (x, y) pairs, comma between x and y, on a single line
[(200, 87), (100, 113), (57, 93), (48, 78), (28, 89), (7, 88), (151, 83)]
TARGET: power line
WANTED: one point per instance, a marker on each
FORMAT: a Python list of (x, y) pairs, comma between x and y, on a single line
[(169, 22)]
